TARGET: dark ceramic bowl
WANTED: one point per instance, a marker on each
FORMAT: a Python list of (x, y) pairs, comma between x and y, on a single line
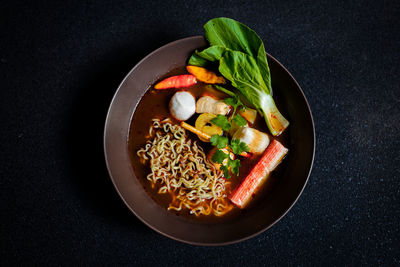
[(294, 177)]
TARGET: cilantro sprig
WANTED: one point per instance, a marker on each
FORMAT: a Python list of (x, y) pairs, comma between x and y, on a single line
[(225, 123), (224, 146), (219, 141), (222, 122), (238, 147), (234, 102), (222, 154), (239, 120)]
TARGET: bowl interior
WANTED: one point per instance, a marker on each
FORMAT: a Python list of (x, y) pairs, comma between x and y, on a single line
[(261, 217)]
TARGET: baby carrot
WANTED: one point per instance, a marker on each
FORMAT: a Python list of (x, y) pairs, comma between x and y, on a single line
[(178, 81), (268, 162)]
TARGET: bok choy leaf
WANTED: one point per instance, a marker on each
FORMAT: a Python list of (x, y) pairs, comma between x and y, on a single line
[(243, 61), (241, 69), (236, 36)]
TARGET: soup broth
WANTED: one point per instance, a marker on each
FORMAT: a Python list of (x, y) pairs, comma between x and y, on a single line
[(154, 104)]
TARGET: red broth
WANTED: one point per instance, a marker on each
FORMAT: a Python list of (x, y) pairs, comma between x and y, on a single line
[(154, 104)]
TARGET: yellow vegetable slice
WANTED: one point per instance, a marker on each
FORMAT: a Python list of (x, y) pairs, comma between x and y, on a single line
[(203, 123), (249, 114)]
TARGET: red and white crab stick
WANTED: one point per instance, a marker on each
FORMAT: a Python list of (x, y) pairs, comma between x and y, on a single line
[(273, 155)]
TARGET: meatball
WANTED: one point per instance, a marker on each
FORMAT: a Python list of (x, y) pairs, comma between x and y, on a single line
[(182, 105)]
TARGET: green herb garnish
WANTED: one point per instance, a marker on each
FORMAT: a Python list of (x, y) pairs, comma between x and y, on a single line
[(225, 169), (235, 165), (222, 122), (219, 141), (239, 120), (223, 151), (234, 102), (219, 156), (238, 147)]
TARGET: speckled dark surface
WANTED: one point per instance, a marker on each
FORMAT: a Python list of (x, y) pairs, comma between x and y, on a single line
[(60, 64)]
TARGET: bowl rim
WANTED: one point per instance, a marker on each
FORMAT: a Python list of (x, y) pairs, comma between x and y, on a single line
[(166, 234)]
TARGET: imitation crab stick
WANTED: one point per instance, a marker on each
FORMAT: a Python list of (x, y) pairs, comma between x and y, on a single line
[(268, 162), (178, 81), (206, 136)]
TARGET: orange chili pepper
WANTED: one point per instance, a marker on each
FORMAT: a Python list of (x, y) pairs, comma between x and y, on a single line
[(205, 75), (178, 81)]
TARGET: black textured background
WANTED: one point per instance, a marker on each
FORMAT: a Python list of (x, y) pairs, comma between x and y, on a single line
[(61, 62)]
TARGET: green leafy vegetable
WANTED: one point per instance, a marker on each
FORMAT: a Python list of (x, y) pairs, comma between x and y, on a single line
[(211, 54), (264, 68), (222, 122), (242, 71), (197, 60), (236, 103), (244, 74), (232, 101), (236, 36), (235, 165), (227, 164), (243, 61), (219, 141), (233, 35), (239, 120), (225, 169), (226, 91), (238, 147), (219, 156), (230, 166), (222, 156)]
